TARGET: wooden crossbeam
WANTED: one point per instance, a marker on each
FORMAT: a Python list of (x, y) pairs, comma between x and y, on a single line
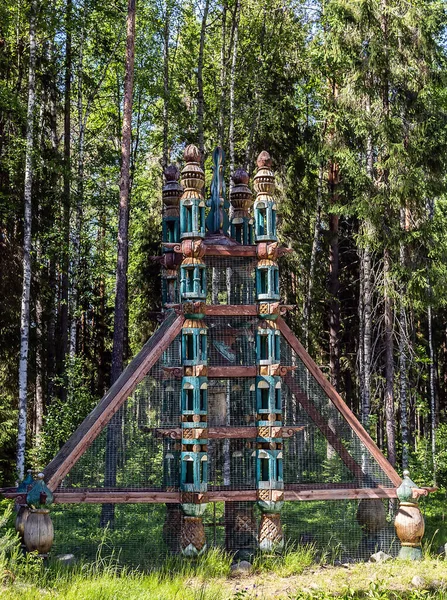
[(338, 402), (222, 433), (97, 496), (123, 387)]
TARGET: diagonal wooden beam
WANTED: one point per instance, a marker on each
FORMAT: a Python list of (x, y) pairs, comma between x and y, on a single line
[(338, 402), (123, 387), (323, 426)]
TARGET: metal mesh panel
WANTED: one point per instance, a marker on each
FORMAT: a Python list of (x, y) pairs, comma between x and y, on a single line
[(231, 341), (145, 534), (320, 451), (230, 280)]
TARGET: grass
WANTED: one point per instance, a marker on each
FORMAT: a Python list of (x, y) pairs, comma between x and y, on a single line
[(302, 572)]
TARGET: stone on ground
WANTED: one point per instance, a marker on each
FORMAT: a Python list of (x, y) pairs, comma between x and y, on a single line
[(380, 557)]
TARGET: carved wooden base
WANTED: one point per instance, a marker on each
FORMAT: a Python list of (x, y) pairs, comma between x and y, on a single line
[(410, 527), (192, 538), (270, 533), (172, 527), (38, 531), (240, 527)]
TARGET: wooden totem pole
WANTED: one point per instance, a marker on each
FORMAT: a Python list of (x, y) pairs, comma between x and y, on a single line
[(269, 456), (409, 521)]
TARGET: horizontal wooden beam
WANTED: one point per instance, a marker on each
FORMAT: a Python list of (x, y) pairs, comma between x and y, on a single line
[(338, 402), (151, 497), (231, 310), (339, 494), (226, 372), (223, 433), (100, 416)]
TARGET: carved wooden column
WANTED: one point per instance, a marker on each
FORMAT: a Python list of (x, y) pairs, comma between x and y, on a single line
[(269, 451)]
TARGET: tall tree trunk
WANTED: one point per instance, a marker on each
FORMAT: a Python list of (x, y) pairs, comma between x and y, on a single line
[(223, 76), (334, 283), (200, 96), (313, 261), (76, 236), (67, 193), (26, 287), (389, 361), (432, 371), (367, 299), (403, 352), (232, 84), (107, 516), (166, 30)]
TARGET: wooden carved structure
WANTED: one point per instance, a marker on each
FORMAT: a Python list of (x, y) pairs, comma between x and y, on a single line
[(223, 401)]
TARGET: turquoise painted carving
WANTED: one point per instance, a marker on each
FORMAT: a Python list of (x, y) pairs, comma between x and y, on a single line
[(39, 495), (217, 219)]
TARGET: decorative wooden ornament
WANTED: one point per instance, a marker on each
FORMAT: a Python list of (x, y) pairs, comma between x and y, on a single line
[(38, 532), (409, 522)]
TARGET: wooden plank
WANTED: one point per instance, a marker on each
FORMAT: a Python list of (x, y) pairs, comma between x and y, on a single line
[(340, 494), (156, 497), (92, 425), (222, 433), (231, 310), (323, 426), (225, 372), (338, 402), (236, 250)]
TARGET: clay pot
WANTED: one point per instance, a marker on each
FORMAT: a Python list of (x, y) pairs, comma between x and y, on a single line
[(371, 515), (38, 531), (21, 519), (409, 524)]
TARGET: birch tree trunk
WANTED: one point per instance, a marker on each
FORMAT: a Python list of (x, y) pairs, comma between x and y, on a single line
[(26, 287), (232, 84), (200, 96), (166, 29), (313, 261), (113, 430), (334, 283), (223, 76), (66, 195), (389, 361), (403, 351)]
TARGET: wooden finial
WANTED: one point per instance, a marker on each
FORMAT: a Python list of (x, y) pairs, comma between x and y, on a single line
[(264, 160), (192, 154), (240, 176), (171, 173)]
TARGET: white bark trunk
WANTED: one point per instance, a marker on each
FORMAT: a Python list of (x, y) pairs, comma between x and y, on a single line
[(25, 311), (232, 84)]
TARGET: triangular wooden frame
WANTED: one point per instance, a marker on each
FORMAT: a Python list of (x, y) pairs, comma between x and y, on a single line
[(138, 368)]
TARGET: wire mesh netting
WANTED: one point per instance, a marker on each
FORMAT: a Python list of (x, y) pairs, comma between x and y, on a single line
[(144, 535), (140, 450), (231, 280)]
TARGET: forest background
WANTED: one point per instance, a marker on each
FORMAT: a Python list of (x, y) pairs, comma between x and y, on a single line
[(350, 99)]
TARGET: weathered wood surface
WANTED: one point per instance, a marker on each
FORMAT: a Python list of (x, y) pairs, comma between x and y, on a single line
[(225, 372), (151, 497), (222, 433), (338, 402), (231, 310), (92, 425)]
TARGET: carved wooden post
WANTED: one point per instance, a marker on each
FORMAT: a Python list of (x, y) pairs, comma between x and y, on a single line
[(409, 521), (371, 516), (38, 532), (269, 455), (194, 393)]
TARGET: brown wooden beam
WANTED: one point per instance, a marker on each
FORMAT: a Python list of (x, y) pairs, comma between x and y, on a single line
[(339, 494), (338, 402), (151, 497), (92, 425), (232, 310), (222, 433), (225, 372), (233, 250)]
